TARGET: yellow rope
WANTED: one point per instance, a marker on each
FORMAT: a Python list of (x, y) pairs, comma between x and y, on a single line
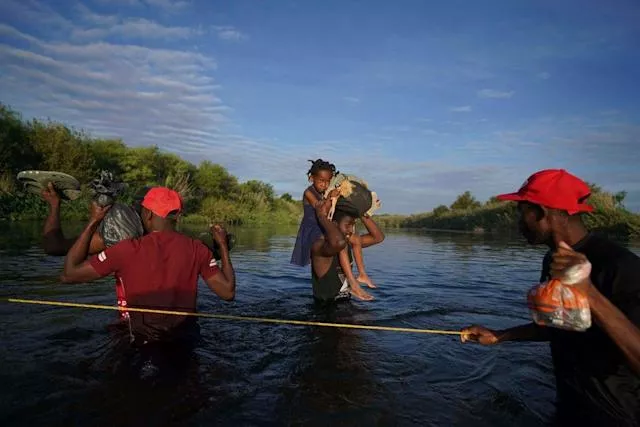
[(229, 317)]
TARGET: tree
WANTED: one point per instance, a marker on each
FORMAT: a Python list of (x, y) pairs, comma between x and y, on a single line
[(214, 180), (440, 210), (287, 197), (16, 151), (618, 198), (109, 154), (141, 166), (62, 149), (465, 201), (259, 188)]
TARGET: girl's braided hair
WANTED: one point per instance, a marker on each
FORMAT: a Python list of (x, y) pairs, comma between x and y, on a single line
[(318, 165)]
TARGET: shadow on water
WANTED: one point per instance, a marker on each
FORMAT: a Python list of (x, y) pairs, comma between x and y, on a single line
[(64, 366)]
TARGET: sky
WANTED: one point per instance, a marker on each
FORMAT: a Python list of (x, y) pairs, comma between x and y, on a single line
[(424, 100)]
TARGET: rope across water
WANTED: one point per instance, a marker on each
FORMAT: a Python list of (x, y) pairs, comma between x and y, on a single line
[(231, 317)]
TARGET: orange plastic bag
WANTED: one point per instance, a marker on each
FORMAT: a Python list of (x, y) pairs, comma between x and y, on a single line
[(559, 304)]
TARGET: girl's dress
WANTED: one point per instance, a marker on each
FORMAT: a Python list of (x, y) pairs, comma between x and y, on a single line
[(309, 232)]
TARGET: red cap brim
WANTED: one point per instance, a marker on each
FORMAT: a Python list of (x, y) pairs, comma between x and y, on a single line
[(512, 197)]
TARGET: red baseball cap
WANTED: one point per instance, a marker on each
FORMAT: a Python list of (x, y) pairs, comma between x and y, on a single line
[(162, 201), (553, 188)]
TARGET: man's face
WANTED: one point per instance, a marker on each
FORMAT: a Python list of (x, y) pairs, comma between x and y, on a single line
[(533, 224), (347, 225)]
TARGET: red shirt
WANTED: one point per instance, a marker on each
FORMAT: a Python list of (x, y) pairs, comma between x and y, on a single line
[(160, 271)]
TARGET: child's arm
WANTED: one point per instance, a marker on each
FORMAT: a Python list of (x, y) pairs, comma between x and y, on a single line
[(310, 197), (356, 244)]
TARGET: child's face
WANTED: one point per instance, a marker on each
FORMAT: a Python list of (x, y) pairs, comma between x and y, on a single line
[(321, 180)]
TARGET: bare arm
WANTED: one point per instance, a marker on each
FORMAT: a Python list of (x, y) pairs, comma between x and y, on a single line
[(76, 269), (333, 241), (53, 241), (620, 329), (310, 197), (223, 284), (374, 235), (482, 335)]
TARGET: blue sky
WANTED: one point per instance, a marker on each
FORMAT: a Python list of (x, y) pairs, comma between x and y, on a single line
[(422, 99)]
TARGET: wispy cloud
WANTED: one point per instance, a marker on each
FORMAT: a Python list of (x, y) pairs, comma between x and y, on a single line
[(230, 33), (138, 28), (351, 100), (168, 5), (544, 75), (462, 109), (491, 93)]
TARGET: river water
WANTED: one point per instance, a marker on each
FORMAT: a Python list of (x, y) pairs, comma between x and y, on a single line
[(57, 363)]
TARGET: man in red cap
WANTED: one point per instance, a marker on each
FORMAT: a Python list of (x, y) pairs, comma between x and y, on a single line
[(597, 371), (159, 270)]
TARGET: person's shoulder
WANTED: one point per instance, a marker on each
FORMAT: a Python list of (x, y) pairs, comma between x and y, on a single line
[(601, 249)]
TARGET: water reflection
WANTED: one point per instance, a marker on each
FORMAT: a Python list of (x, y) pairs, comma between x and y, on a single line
[(65, 368), (333, 381)]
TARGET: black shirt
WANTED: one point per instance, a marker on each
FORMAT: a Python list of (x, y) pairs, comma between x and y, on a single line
[(595, 384)]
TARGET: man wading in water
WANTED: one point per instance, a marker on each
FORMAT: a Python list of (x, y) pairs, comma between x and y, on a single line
[(158, 271), (597, 371), (329, 282)]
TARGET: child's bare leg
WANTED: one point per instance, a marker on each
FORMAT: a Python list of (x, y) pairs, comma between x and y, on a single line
[(355, 288), (357, 255)]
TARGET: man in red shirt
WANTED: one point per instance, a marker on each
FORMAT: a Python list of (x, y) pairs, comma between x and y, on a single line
[(159, 270), (129, 225)]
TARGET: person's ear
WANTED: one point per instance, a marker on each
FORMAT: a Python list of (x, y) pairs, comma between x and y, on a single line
[(146, 214)]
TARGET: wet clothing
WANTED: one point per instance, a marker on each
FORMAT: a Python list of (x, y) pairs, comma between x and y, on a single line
[(121, 222), (158, 271), (595, 384), (333, 286), (309, 231)]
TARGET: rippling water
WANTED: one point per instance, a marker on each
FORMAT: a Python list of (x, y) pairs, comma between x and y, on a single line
[(57, 364)]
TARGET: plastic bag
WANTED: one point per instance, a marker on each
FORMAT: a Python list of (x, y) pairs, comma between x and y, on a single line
[(120, 222), (559, 304)]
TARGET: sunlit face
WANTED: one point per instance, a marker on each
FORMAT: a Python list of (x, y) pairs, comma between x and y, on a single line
[(533, 226), (347, 226), (321, 180)]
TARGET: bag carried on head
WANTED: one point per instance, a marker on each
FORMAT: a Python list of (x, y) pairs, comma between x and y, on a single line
[(356, 198)]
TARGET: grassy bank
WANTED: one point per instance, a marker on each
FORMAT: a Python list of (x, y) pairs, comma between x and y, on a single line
[(210, 192), (609, 216)]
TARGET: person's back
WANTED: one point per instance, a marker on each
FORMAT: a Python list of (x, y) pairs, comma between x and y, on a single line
[(159, 271)]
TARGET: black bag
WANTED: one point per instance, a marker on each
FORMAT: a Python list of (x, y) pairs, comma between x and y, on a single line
[(121, 222)]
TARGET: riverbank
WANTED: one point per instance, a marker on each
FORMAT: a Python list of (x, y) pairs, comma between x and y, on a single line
[(209, 191), (608, 217)]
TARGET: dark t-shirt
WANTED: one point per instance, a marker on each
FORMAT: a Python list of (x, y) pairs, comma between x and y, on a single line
[(593, 379), (158, 271)]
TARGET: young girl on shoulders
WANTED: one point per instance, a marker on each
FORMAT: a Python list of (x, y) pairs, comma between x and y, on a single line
[(320, 175)]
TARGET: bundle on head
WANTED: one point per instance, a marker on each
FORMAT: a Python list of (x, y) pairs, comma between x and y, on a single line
[(355, 196)]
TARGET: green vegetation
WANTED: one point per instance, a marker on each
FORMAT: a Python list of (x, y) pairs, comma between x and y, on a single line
[(467, 214), (210, 192)]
